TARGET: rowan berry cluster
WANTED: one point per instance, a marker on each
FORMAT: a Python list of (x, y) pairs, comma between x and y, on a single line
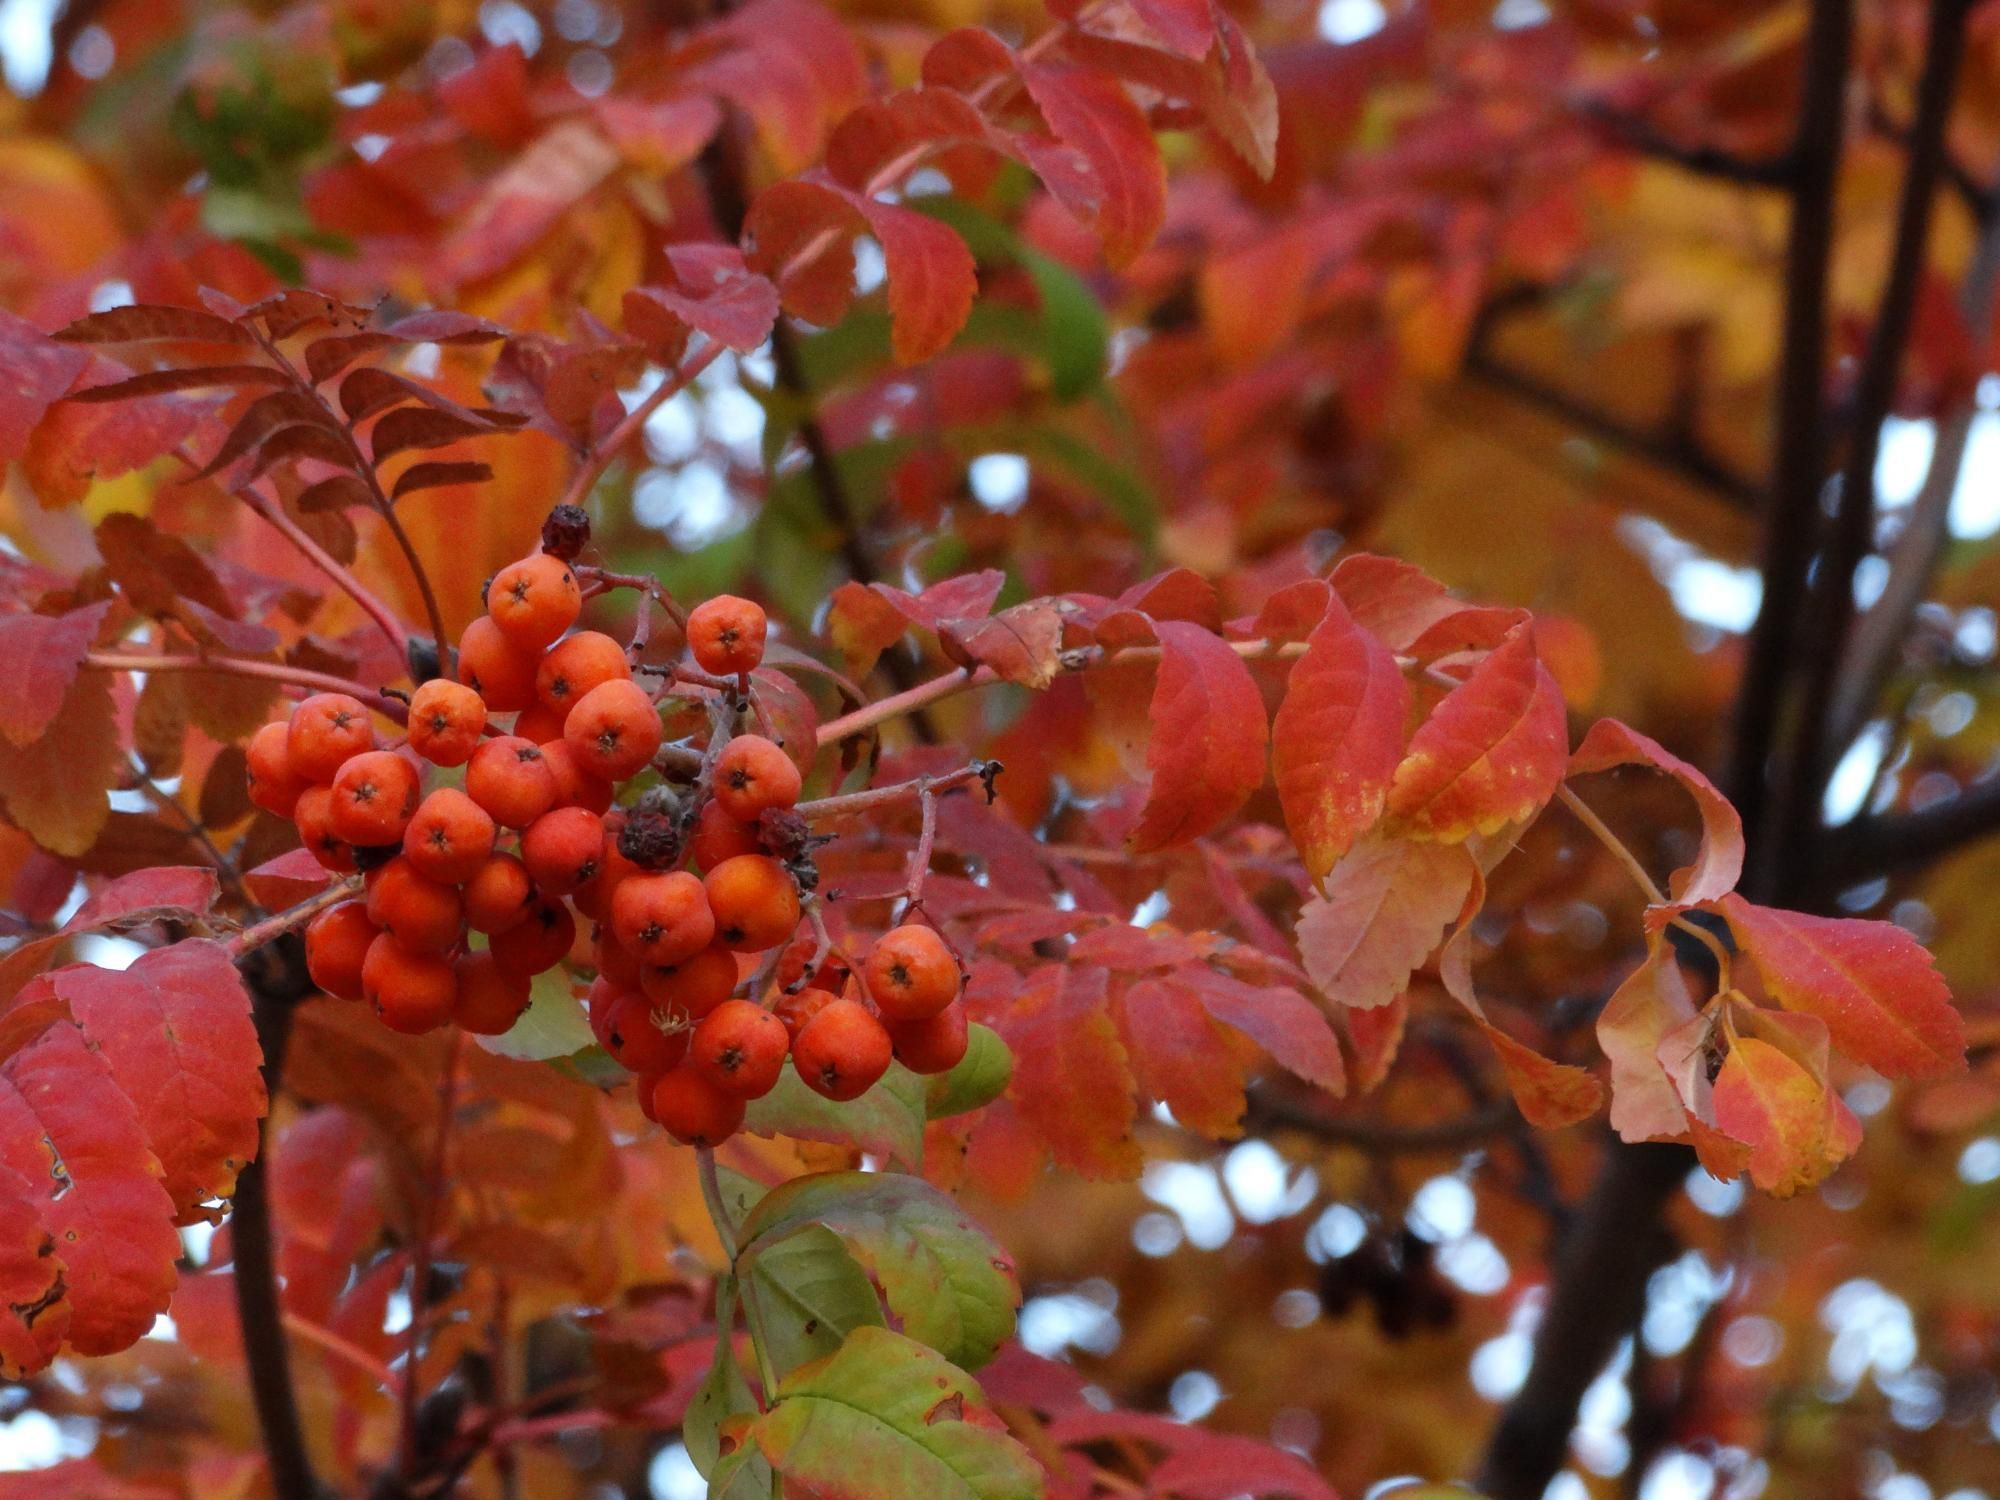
[(471, 890)]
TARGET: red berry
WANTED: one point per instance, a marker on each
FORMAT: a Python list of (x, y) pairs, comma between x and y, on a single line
[(534, 600), (495, 668), (662, 919), (424, 916), (374, 795), (932, 1045), (842, 1051), (450, 838), (326, 729), (726, 635), (498, 895), (446, 720), (910, 973), (694, 1111), (752, 774), (642, 1038), (540, 941), (490, 997), (740, 1048), (274, 785), (508, 777), (577, 664), (718, 836), (614, 730), (694, 986), (411, 992), (314, 815), (563, 849), (337, 943), (754, 901)]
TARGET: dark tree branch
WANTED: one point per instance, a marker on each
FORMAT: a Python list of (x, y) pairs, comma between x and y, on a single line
[(275, 975), (1980, 198), (1619, 1237), (1636, 133), (1792, 523), (1597, 1293), (1889, 841), (1798, 794), (1667, 449)]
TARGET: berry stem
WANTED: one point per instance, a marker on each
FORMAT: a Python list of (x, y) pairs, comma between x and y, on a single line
[(922, 787), (1601, 831), (271, 671), (596, 581), (711, 1196), (600, 457), (292, 917)]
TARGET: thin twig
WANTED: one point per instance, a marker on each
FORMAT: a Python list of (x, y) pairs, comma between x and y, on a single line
[(250, 939), (238, 666), (1601, 831), (420, 1260), (602, 455)]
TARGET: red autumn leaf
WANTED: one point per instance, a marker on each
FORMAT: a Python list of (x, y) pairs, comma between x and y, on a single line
[(33, 1313), (1550, 1094), (1072, 1079), (527, 198), (861, 625), (170, 893), (1277, 1018), (147, 324), (1180, 1058), (787, 714), (967, 596), (1719, 862), (1187, 26), (287, 880), (1490, 754), (67, 1129), (77, 443), (789, 65), (1021, 644), (930, 273), (1394, 599), (659, 137), (61, 801), (175, 1028), (713, 292), (1208, 737), (1871, 982), (875, 137), (1337, 737), (1793, 1121), (1122, 194), (1377, 1037), (44, 653), (39, 371), (1385, 909)]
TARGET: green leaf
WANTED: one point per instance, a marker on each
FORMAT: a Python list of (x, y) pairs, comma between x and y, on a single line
[(553, 1025), (884, 1419), (744, 1474), (810, 1295), (980, 1077), (946, 1280), (887, 1121), (1128, 496), (724, 1393)]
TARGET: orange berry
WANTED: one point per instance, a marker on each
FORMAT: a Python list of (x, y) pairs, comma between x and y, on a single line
[(795, 971), (274, 786), (932, 1045), (336, 944), (424, 916), (593, 898), (694, 986), (495, 668), (910, 973), (797, 1009), (314, 814), (449, 838), (574, 666), (642, 1039), (692, 1110), (740, 1048), (534, 600), (326, 729), (446, 719), (411, 992), (597, 1001), (662, 919), (539, 723), (490, 997), (508, 777), (540, 941), (613, 730), (842, 1051), (614, 963), (718, 836), (755, 902), (575, 787), (751, 774), (563, 849), (498, 895), (374, 796), (726, 635)]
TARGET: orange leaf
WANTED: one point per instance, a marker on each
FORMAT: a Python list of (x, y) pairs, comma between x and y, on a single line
[(1206, 750), (1180, 1057), (1651, 1003), (1072, 1079), (1796, 1126), (60, 799), (1551, 1094), (1491, 753), (43, 654), (1384, 911), (1871, 982), (1719, 862), (1337, 737)]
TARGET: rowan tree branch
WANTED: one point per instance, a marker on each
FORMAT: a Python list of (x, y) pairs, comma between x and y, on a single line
[(1636, 133), (1619, 1237), (1799, 791), (275, 975), (1886, 842)]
